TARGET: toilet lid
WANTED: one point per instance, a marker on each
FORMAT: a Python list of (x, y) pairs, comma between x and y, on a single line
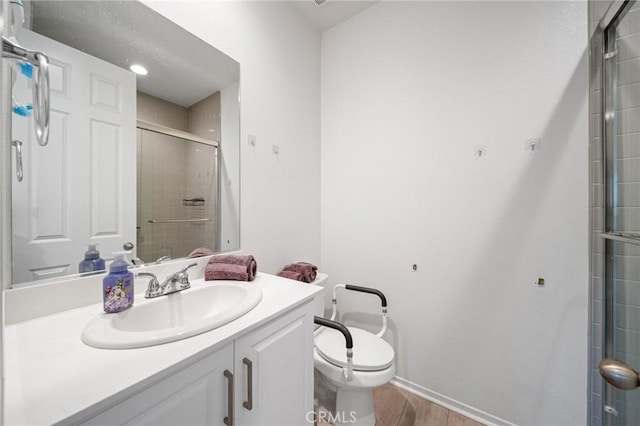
[(370, 352)]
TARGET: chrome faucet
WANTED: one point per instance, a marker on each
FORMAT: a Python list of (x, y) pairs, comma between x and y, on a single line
[(175, 282)]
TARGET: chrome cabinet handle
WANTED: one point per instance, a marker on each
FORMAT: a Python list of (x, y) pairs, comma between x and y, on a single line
[(248, 404), (18, 145), (229, 419), (41, 99), (619, 374)]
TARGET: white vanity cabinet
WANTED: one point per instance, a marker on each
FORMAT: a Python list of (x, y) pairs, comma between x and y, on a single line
[(267, 355), (269, 370)]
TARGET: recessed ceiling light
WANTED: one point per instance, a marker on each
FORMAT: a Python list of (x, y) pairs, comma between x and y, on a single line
[(138, 69)]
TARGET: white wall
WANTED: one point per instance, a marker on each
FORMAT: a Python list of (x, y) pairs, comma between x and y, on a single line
[(279, 55), (229, 163), (408, 90)]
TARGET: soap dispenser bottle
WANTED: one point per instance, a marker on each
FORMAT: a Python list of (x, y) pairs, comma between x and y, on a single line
[(92, 260), (117, 285)]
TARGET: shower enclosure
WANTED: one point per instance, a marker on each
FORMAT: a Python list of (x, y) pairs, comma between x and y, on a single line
[(177, 193), (617, 220)]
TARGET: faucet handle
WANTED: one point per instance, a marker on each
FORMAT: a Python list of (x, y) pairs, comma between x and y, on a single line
[(184, 270), (153, 290), (183, 277)]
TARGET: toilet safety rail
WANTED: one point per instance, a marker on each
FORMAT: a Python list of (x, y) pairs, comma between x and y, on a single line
[(347, 336), (383, 299)]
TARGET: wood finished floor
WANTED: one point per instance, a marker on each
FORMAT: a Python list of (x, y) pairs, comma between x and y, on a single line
[(397, 407)]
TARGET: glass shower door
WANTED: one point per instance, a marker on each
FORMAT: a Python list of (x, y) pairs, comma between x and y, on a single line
[(178, 194), (622, 218)]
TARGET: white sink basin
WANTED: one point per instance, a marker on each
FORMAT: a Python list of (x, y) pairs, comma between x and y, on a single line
[(173, 317)]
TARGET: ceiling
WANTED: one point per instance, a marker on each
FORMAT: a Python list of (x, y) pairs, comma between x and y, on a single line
[(182, 68), (331, 12), (126, 32)]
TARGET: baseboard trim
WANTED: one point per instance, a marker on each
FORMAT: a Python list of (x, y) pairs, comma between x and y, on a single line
[(449, 403)]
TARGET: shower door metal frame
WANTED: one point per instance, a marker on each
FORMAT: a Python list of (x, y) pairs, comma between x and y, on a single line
[(608, 26), (191, 137)]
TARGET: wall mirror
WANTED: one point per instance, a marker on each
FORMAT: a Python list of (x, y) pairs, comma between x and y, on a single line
[(151, 160)]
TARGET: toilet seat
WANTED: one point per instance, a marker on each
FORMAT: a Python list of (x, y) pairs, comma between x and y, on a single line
[(370, 352)]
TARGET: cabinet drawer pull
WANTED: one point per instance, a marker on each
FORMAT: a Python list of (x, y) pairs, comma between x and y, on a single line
[(248, 404), (229, 419)]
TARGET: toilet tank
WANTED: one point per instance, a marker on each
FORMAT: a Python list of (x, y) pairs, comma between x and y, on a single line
[(318, 300)]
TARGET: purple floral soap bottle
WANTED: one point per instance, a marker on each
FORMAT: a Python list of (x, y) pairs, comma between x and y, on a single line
[(117, 285)]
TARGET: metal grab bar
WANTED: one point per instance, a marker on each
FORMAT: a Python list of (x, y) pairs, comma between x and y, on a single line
[(206, 219), (18, 145), (625, 237), (41, 91)]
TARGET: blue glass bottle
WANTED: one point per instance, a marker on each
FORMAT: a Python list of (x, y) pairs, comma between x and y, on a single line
[(92, 261)]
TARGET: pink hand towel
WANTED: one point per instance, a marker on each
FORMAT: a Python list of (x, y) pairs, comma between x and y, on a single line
[(225, 271), (308, 270), (200, 252), (247, 263), (291, 275)]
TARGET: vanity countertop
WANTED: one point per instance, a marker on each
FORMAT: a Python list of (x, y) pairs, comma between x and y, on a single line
[(51, 375)]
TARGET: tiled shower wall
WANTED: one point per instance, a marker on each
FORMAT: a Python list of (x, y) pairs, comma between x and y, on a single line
[(627, 257), (171, 171)]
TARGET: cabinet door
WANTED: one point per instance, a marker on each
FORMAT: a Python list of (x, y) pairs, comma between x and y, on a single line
[(278, 358), (195, 395)]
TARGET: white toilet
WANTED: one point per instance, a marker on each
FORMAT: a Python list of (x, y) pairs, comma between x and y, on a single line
[(351, 398)]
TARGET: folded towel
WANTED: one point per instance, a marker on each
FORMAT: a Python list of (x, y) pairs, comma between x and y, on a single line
[(226, 271), (308, 270), (291, 275), (200, 252), (246, 264)]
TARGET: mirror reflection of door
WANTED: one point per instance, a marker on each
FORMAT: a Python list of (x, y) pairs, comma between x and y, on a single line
[(83, 168), (55, 199)]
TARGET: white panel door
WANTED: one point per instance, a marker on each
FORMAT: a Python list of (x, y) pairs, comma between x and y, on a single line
[(81, 187)]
